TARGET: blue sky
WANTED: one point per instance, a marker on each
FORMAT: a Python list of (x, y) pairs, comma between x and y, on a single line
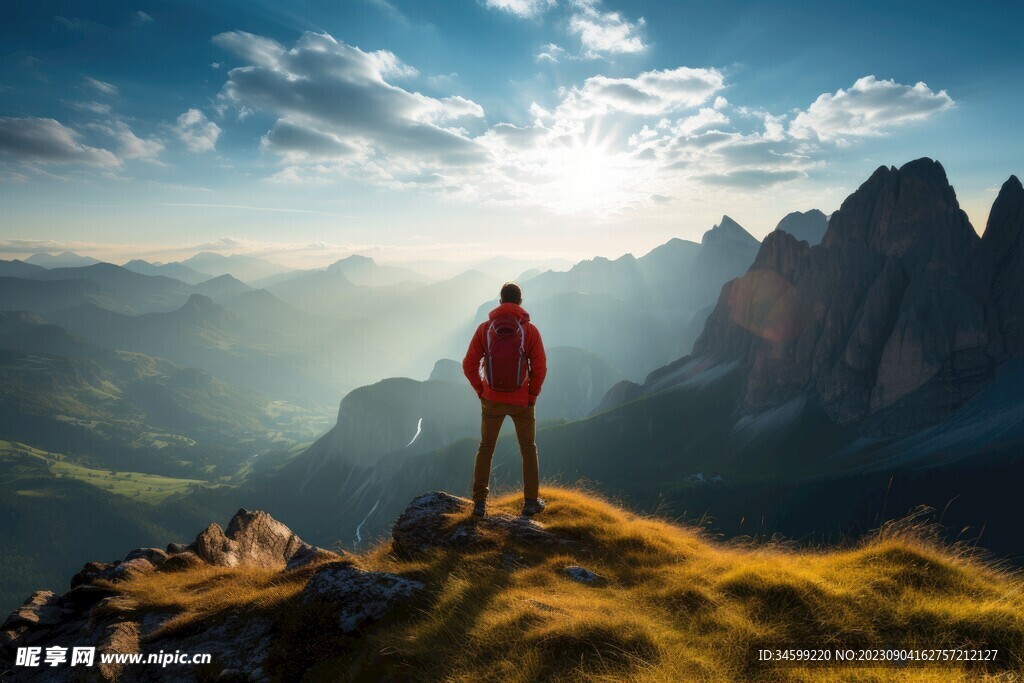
[(466, 128)]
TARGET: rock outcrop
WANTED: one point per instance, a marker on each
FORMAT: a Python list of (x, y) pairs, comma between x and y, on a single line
[(252, 538), (440, 520), (889, 318), (83, 616), (333, 588)]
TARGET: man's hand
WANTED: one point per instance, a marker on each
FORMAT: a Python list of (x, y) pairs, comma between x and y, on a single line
[(532, 403)]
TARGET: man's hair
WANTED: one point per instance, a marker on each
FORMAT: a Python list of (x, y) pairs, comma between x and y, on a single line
[(511, 293)]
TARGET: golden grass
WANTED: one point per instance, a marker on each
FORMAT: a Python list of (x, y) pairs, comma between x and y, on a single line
[(677, 606)]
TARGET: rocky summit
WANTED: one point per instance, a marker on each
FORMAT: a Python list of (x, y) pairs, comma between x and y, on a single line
[(897, 317), (585, 591), (92, 614)]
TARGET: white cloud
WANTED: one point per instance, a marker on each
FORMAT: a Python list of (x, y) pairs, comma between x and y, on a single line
[(101, 86), (521, 8), (705, 118), (753, 177), (98, 108), (130, 145), (34, 246), (340, 90), (48, 141), (198, 133), (868, 108), (606, 146), (298, 140), (602, 33), (141, 17), (550, 53), (391, 66), (651, 93)]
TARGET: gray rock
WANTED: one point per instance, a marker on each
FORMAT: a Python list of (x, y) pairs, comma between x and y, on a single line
[(428, 523), (584, 575), (419, 527), (181, 561), (251, 539), (360, 597), (309, 554), (41, 609), (155, 556), (113, 571)]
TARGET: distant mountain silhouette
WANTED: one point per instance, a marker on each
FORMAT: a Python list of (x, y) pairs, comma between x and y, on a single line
[(317, 291), (806, 226), (221, 287), (176, 270), (142, 293), (42, 296), (202, 334), (245, 268), (18, 268), (362, 270), (633, 311), (67, 259)]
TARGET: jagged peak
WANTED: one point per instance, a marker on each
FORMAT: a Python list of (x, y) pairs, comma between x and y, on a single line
[(912, 209), (727, 230), (1005, 225)]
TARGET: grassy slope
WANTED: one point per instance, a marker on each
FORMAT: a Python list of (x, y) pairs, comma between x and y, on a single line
[(20, 460), (678, 606)]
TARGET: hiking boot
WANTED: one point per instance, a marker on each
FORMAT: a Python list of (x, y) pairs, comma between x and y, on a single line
[(533, 505), (480, 508)]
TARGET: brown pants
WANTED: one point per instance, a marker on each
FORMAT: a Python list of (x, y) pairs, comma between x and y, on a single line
[(492, 414)]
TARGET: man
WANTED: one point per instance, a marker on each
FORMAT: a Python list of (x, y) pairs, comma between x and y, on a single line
[(506, 365)]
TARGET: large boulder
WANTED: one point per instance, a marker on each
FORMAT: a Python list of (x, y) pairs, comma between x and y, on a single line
[(252, 539)]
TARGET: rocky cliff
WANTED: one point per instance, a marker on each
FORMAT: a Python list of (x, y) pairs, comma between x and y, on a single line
[(899, 315)]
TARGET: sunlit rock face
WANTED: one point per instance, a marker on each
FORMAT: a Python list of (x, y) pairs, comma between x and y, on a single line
[(898, 311)]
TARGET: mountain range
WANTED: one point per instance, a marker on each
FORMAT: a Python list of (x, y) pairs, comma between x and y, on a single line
[(842, 371), (886, 355), (661, 298)]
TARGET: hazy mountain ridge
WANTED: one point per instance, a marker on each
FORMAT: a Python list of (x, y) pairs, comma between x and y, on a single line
[(632, 311), (67, 259), (177, 271)]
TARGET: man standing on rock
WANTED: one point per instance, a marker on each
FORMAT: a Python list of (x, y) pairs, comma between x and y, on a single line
[(506, 365)]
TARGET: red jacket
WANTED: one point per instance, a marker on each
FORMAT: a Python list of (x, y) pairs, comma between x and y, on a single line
[(472, 364)]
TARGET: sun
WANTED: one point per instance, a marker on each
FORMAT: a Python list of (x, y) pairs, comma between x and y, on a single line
[(587, 174)]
